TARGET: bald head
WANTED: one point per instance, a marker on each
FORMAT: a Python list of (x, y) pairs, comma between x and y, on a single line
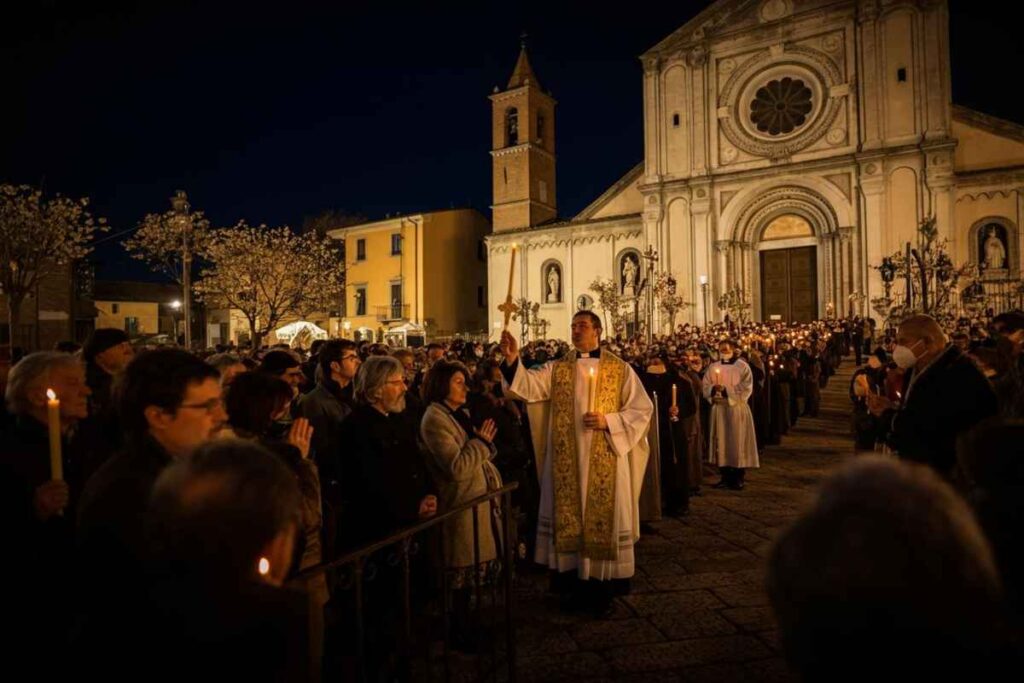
[(921, 328)]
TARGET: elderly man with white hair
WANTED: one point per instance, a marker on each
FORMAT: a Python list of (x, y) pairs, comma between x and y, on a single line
[(944, 394)]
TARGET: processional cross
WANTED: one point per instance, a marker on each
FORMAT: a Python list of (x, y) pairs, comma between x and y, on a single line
[(509, 308)]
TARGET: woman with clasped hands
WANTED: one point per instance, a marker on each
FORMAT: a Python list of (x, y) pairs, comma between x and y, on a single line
[(459, 458)]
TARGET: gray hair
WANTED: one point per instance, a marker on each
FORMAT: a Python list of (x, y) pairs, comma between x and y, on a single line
[(30, 371), (372, 376), (223, 361)]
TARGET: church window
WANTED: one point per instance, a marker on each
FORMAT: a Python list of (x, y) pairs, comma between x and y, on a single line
[(504, 172), (360, 250), (781, 106), (115, 308), (396, 244), (511, 127), (901, 74), (675, 120), (540, 126)]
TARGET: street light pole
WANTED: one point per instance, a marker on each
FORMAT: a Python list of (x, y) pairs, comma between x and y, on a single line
[(179, 202), (704, 296)]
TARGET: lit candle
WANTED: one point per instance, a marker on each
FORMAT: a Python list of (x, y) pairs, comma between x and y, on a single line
[(53, 415), (674, 404), (591, 393)]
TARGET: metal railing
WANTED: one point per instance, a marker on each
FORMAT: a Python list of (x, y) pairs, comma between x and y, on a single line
[(360, 565), (393, 312)]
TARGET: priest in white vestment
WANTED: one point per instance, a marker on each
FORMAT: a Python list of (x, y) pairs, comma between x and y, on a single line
[(594, 460), (728, 384)]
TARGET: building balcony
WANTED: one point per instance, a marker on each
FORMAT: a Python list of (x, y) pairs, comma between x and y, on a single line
[(392, 313)]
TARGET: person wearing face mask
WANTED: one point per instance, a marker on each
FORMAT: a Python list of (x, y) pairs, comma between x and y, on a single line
[(944, 395), (728, 385), (867, 379)]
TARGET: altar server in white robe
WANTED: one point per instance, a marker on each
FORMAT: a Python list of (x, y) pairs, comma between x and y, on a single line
[(728, 383), (594, 461)]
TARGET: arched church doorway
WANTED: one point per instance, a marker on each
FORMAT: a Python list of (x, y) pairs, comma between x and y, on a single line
[(788, 259)]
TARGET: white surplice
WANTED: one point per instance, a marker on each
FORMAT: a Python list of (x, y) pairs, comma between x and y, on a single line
[(627, 434), (733, 441)]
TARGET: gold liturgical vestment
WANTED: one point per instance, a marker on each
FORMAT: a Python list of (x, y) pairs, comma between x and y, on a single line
[(590, 479)]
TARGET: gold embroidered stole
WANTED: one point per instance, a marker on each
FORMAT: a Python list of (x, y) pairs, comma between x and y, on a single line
[(593, 536)]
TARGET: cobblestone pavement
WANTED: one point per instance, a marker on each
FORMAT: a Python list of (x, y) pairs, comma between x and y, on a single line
[(698, 610)]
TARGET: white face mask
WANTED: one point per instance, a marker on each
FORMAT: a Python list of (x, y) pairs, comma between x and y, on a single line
[(904, 356)]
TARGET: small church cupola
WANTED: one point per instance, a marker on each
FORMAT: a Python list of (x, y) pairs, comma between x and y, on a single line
[(523, 150)]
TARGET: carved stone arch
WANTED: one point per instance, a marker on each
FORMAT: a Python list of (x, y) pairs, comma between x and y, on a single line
[(553, 287), (767, 206), (977, 235), (829, 203)]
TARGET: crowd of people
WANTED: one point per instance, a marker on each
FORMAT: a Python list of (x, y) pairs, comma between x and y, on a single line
[(197, 488)]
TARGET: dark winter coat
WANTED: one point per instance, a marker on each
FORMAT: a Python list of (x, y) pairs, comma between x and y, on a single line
[(949, 397)]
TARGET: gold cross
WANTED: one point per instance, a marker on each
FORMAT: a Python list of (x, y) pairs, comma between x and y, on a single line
[(509, 309)]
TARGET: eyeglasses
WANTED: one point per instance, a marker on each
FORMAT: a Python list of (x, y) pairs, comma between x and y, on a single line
[(351, 356), (209, 406)]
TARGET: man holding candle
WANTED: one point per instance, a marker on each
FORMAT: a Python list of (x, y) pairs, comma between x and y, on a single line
[(596, 454), (728, 385)]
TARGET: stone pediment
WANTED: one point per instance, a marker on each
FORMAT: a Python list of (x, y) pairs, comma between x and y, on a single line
[(730, 16), (617, 191)]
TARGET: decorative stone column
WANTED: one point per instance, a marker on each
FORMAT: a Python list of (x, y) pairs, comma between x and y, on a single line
[(872, 185), (652, 122), (825, 242), (697, 60), (722, 248)]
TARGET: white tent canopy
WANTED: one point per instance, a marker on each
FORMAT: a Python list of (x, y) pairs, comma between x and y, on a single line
[(300, 332)]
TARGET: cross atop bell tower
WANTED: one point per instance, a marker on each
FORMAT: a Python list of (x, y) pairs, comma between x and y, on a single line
[(523, 150)]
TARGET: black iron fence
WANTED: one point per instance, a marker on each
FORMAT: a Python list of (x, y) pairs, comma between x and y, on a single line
[(405, 561)]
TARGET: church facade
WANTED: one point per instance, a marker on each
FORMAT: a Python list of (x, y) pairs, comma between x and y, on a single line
[(789, 145)]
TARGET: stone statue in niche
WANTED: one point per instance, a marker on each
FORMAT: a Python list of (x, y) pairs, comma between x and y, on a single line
[(993, 247), (629, 273), (554, 285)]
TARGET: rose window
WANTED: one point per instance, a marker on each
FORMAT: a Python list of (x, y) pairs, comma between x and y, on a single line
[(781, 106)]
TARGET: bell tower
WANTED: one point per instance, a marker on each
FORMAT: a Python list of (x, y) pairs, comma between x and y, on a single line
[(522, 151)]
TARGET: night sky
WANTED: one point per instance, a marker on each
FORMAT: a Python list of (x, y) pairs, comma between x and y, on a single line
[(273, 112)]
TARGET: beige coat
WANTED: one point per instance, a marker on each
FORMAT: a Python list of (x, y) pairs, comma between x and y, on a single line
[(458, 464)]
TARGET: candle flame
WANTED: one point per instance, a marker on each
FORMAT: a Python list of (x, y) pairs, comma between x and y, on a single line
[(264, 566), (50, 394)]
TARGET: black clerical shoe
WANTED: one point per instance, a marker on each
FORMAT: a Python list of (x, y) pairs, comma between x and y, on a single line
[(736, 486), (721, 485)]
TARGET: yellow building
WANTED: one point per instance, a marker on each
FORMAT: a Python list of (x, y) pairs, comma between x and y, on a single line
[(139, 308), (425, 271)]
